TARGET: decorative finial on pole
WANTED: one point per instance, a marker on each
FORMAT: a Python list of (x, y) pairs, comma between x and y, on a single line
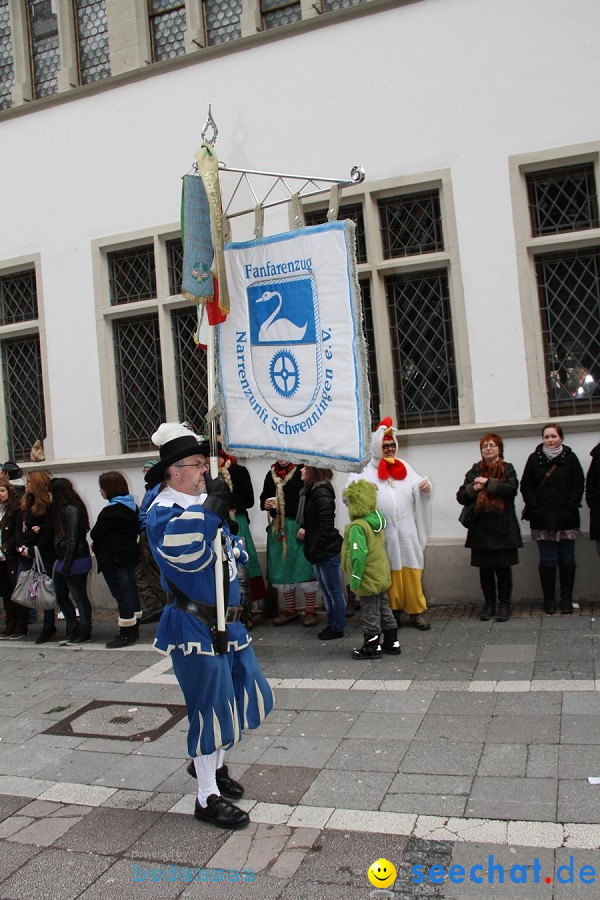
[(210, 123)]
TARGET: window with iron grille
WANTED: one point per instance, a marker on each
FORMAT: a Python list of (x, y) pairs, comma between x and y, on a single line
[(279, 12), (45, 52), (569, 295), (562, 199), (6, 56), (92, 40), (222, 20), (411, 224), (174, 265), (365, 289), (353, 211), (422, 349), (23, 394), (190, 363), (140, 392), (167, 28), (18, 297), (132, 274)]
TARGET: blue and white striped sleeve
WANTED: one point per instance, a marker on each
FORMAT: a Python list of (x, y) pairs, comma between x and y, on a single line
[(185, 540)]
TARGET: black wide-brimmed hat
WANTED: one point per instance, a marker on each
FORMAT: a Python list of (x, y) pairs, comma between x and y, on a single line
[(171, 452)]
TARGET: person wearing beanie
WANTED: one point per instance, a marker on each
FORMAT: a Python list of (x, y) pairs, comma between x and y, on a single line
[(14, 475), (225, 692), (365, 562), (404, 498)]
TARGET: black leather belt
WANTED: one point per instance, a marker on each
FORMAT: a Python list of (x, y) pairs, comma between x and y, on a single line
[(205, 612)]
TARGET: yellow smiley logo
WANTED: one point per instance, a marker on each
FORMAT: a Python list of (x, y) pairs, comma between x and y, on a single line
[(381, 873)]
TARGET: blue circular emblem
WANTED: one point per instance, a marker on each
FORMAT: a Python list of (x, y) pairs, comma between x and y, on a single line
[(284, 373)]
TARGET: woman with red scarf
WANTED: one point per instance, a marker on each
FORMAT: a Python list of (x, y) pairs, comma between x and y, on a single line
[(494, 535)]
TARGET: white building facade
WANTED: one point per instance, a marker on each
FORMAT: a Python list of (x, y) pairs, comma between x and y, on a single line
[(478, 230)]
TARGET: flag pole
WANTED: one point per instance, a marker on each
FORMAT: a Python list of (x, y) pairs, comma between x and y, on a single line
[(221, 642)]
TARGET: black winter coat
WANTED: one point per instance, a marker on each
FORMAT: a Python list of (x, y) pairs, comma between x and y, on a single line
[(43, 539), (555, 506), (592, 493), (115, 537), (493, 530), (9, 545), (322, 540), (72, 545), (241, 497)]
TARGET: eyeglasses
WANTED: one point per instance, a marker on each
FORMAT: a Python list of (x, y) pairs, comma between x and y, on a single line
[(196, 465), (390, 446)]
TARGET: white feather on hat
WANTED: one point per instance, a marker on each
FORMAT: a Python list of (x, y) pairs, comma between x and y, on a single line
[(168, 431)]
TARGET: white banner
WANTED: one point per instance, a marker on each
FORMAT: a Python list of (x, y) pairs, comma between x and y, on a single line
[(292, 353)]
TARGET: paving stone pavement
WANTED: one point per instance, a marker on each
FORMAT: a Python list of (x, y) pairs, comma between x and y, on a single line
[(463, 760)]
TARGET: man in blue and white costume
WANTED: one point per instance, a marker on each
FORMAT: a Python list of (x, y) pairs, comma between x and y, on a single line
[(224, 692)]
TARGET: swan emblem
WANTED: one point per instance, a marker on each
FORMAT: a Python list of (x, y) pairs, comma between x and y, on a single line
[(279, 329)]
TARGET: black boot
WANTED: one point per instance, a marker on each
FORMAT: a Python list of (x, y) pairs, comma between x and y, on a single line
[(127, 636), (390, 643), (9, 625), (504, 592), (371, 649), (46, 634), (566, 575), (548, 579), (488, 586)]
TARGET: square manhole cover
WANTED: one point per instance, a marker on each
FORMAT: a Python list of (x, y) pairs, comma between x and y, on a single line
[(120, 721)]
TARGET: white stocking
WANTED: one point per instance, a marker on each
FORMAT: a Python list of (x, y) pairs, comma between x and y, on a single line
[(206, 766), (220, 758)]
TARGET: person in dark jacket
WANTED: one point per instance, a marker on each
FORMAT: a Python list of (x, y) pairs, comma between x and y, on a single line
[(322, 544), (34, 528), (115, 546), (592, 495), (73, 561), (286, 564), (494, 535), (16, 615), (552, 487)]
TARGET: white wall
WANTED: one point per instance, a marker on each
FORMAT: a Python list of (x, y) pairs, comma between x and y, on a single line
[(457, 84)]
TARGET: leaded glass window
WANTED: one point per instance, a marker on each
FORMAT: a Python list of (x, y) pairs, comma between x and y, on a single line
[(92, 40), (190, 362), (6, 56), (23, 394), (422, 349), (563, 199), (365, 288), (132, 274), (167, 28), (332, 5), (45, 52), (353, 211), (569, 295), (140, 393), (279, 12), (411, 224), (222, 18), (18, 297), (175, 265)]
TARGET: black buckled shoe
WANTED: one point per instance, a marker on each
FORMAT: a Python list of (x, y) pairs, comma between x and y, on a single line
[(225, 783), (221, 813)]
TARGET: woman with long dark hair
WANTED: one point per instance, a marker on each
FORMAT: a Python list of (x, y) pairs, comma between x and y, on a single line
[(16, 615), (74, 561), (322, 544), (494, 535), (552, 487), (115, 537), (34, 528)]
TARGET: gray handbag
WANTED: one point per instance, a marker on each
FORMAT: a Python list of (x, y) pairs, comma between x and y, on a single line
[(35, 589)]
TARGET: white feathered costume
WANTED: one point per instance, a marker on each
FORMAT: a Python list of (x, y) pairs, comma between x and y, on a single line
[(407, 511)]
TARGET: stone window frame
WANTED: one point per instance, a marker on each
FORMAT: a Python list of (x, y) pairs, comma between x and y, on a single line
[(529, 247), (163, 304), (28, 328), (377, 268)]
